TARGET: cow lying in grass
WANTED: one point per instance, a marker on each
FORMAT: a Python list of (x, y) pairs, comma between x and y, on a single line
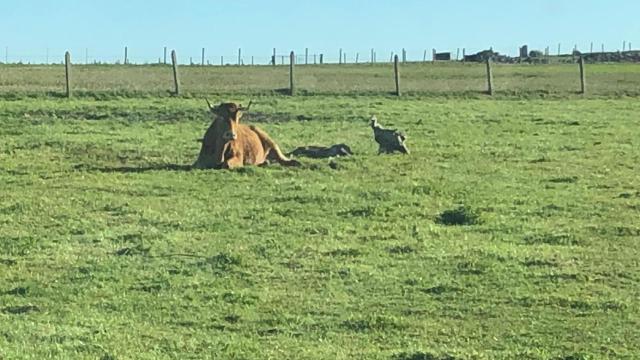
[(228, 144)]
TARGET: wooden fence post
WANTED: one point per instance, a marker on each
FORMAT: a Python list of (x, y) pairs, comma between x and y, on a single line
[(292, 61), (357, 56), (340, 60), (67, 70), (239, 56), (321, 59), (165, 55), (306, 56), (221, 60), (126, 55), (176, 82), (202, 56), (424, 57), (489, 78), (372, 56), (396, 72), (583, 77)]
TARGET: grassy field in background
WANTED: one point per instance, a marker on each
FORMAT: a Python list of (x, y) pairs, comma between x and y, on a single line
[(111, 248), (441, 79)]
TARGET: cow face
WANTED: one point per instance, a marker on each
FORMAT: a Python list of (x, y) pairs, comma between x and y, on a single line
[(225, 126), (228, 114)]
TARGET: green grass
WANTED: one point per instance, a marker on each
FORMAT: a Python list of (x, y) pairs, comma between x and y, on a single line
[(441, 79), (111, 248)]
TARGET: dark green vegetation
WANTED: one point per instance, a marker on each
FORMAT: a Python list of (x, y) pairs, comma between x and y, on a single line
[(510, 232), (445, 79)]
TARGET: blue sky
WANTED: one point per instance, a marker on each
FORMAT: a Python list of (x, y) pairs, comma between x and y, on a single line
[(28, 27)]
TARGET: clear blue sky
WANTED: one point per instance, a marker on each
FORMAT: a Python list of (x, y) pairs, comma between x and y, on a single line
[(29, 27)]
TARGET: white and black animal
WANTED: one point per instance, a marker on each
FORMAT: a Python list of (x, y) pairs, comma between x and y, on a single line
[(389, 140)]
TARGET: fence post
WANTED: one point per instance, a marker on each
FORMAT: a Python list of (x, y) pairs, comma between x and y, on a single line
[(306, 56), (372, 56), (321, 59), (292, 61), (458, 54), (357, 55), (404, 55), (202, 56), (340, 60), (67, 71), (433, 55), (489, 77), (396, 72), (583, 77), (165, 55), (239, 56), (221, 60), (424, 57), (126, 56), (176, 82)]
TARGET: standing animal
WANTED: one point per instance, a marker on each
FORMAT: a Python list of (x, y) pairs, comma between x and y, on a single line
[(318, 152), (229, 144), (389, 140)]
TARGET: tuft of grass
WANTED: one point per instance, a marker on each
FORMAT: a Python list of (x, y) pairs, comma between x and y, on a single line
[(460, 216)]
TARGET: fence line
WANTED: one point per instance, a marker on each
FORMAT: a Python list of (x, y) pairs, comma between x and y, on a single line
[(292, 63)]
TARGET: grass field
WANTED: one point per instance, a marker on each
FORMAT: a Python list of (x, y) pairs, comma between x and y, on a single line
[(510, 232)]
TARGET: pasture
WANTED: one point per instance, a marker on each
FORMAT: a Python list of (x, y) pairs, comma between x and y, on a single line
[(511, 231)]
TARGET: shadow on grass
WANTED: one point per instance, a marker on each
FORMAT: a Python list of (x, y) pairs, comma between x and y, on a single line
[(135, 169)]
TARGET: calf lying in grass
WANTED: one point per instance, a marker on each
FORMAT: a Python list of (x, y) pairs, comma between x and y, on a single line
[(318, 152)]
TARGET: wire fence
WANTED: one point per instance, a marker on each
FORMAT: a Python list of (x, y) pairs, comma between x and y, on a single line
[(441, 78)]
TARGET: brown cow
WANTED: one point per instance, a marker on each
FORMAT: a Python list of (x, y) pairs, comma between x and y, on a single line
[(228, 144)]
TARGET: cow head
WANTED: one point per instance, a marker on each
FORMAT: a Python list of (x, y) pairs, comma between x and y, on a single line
[(226, 119)]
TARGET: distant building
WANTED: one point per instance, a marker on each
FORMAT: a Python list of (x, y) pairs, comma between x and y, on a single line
[(443, 56), (524, 51)]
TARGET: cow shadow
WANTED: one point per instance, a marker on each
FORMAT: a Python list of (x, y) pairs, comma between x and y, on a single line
[(135, 169)]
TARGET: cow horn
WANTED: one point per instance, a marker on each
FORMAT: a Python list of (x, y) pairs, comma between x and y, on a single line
[(209, 104), (242, 108)]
